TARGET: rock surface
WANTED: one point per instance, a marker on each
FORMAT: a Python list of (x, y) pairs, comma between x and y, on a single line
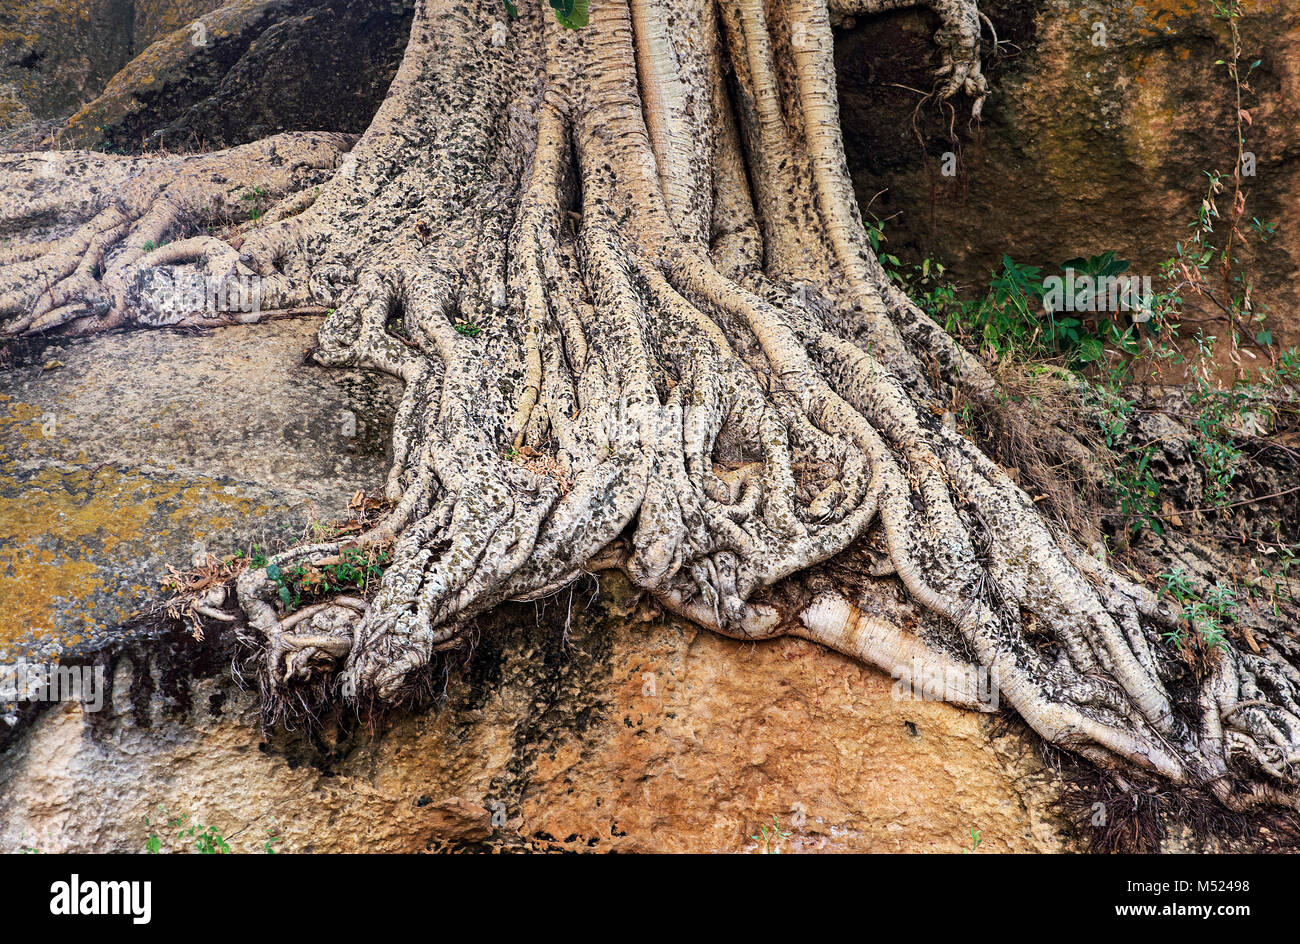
[(250, 69), (565, 749), (132, 451), (625, 731), (586, 725), (192, 74), (1091, 140), (56, 55)]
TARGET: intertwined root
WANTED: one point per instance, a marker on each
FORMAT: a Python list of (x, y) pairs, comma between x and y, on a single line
[(92, 241), (627, 288), (609, 393)]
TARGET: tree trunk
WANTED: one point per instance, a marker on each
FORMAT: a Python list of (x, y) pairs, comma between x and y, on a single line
[(622, 274)]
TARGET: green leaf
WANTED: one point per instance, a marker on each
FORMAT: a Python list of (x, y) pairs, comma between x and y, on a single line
[(572, 14), (1090, 349), (512, 11), (1264, 338)]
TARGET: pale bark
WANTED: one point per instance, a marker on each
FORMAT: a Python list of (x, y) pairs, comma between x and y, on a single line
[(623, 277)]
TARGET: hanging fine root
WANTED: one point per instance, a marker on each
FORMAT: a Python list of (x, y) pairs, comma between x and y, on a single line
[(623, 277)]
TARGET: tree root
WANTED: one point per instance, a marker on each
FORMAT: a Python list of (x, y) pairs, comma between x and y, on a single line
[(628, 290), (125, 256)]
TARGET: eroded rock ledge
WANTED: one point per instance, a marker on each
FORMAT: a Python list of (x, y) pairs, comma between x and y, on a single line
[(627, 731)]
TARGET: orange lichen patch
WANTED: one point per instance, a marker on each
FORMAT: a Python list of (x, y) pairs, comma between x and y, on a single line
[(1163, 12), (18, 37), (19, 417), (1157, 8), (66, 539), (34, 587), (45, 572), (1152, 17)]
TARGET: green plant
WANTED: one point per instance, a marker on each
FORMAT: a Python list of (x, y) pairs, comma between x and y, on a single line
[(1208, 618), (206, 840), (975, 840), (876, 236), (1006, 319), (1132, 482), (353, 569), (1015, 318), (1138, 490), (572, 14), (1214, 272), (1213, 443), (254, 198), (256, 559), (1026, 314), (769, 839)]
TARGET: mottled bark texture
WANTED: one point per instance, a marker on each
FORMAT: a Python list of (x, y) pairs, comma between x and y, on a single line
[(622, 275)]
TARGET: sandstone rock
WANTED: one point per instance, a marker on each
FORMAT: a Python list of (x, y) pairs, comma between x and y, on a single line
[(246, 70), (1083, 147), (576, 724), (559, 743), (143, 449), (55, 55)]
